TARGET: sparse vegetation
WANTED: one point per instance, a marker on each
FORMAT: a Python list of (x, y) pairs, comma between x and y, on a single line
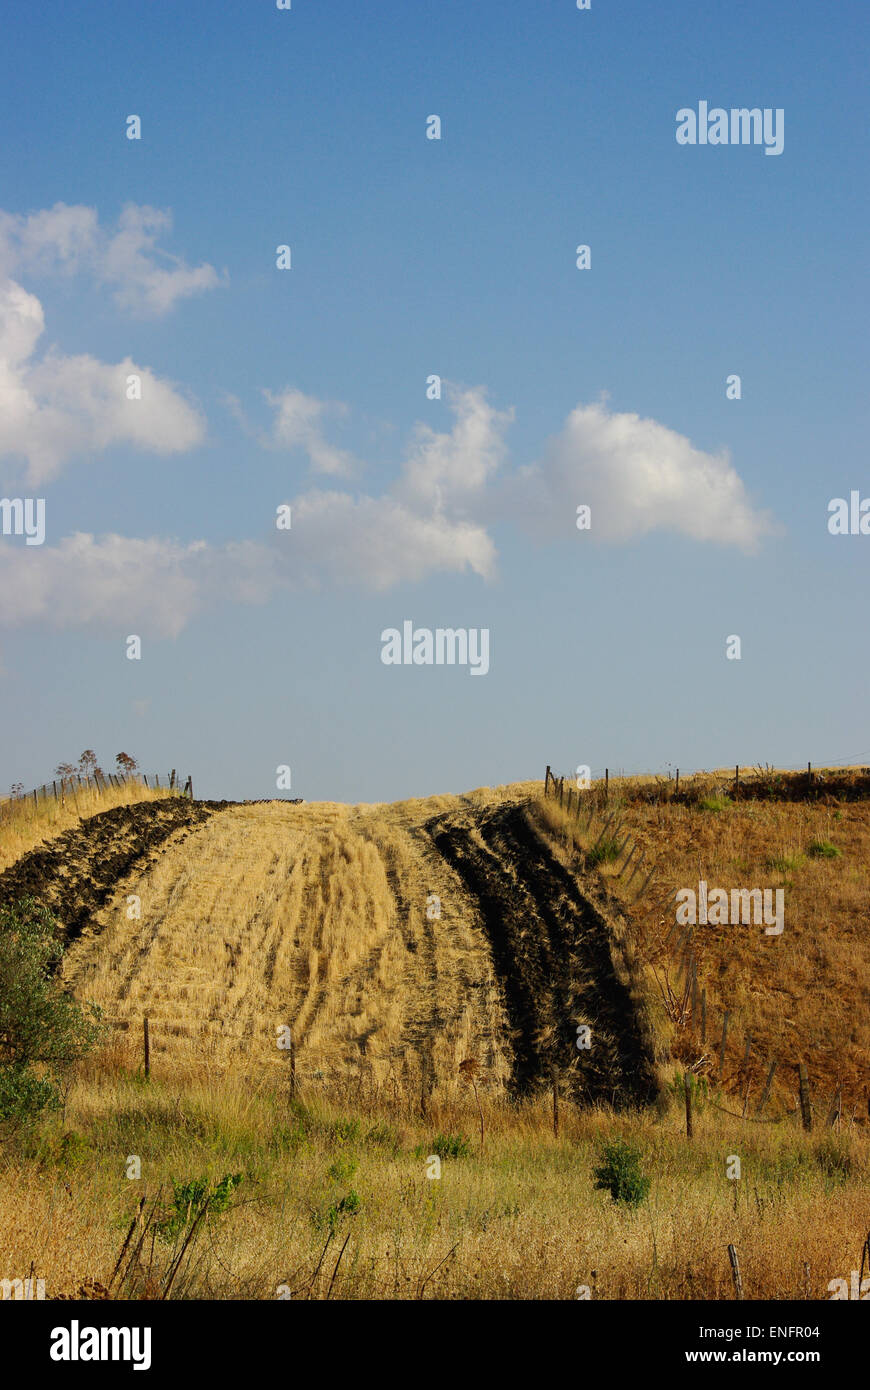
[(318, 916), (823, 849)]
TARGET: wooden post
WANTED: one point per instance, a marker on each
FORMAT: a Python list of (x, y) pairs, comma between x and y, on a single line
[(745, 1072), (735, 1272), (606, 784), (561, 789), (54, 786), (147, 1041), (687, 1087), (172, 780), (145, 779), (35, 802), (677, 788), (157, 779), (725, 1019), (569, 799), (547, 781), (767, 1085), (836, 1107), (806, 1104)]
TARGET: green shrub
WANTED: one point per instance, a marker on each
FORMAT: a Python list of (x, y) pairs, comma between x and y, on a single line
[(329, 1218), (605, 852), (823, 849), (786, 863), (451, 1146), (620, 1174), (191, 1199), (343, 1169), (714, 803), (43, 1029)]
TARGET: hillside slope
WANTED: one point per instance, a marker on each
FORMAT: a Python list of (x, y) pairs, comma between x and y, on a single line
[(394, 941)]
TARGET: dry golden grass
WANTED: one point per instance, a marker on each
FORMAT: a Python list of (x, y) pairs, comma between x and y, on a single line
[(520, 1219), (24, 826), (802, 996), (315, 916), (312, 917)]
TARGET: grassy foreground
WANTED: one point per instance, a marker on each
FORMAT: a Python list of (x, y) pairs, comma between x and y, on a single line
[(335, 1198)]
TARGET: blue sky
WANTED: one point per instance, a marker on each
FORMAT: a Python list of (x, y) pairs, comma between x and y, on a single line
[(561, 386)]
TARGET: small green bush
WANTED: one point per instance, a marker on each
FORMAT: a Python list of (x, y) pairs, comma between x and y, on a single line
[(605, 852), (343, 1169), (445, 1146), (620, 1174), (329, 1218), (823, 849), (43, 1029), (192, 1198), (714, 803), (786, 863)]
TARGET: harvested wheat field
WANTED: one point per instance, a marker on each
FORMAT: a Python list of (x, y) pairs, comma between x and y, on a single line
[(365, 1028), (392, 942)]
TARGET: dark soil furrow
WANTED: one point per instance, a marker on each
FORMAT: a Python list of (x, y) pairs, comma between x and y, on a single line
[(75, 874)]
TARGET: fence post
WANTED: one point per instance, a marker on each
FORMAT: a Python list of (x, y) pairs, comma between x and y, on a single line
[(806, 1104), (606, 784), (677, 788), (735, 1271), (767, 1085), (147, 1043), (547, 780), (725, 1019), (836, 1107)]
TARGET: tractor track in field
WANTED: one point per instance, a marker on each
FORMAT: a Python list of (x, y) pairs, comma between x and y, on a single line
[(77, 872), (518, 958), (551, 949)]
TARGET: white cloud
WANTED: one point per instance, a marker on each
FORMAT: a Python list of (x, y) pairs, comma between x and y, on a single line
[(448, 470), (297, 424), (82, 582), (60, 407), (637, 476), (379, 542), (68, 239)]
